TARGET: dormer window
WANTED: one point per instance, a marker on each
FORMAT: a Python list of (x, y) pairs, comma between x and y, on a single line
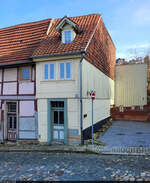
[(67, 36), (68, 30)]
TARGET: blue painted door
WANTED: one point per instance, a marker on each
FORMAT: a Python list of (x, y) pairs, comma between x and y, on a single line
[(58, 120)]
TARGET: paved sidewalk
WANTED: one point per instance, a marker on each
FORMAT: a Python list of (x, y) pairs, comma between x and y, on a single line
[(41, 148), (127, 134)]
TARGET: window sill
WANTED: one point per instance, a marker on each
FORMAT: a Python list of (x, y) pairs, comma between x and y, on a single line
[(58, 80), (25, 81)]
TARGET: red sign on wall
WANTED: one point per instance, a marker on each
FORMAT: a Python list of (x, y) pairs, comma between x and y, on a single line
[(93, 95)]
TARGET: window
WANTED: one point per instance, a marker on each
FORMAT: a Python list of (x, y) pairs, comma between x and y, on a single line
[(65, 70), (49, 71), (62, 71), (25, 73), (67, 35)]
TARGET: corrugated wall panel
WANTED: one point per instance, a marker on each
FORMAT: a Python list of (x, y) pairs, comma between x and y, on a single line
[(131, 85)]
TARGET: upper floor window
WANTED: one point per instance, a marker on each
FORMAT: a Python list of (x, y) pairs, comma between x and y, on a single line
[(49, 71), (67, 36), (25, 73), (65, 70)]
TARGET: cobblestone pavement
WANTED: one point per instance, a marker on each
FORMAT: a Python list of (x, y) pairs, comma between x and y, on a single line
[(72, 166)]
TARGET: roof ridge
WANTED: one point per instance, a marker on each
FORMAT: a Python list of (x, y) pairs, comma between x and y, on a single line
[(76, 16), (85, 15), (25, 24)]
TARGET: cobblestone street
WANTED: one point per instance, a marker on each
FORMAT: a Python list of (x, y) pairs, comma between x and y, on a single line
[(72, 166)]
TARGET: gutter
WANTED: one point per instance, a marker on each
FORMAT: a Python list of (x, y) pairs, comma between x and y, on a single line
[(55, 55), (16, 64)]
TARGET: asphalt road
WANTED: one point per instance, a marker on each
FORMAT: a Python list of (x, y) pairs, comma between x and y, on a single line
[(127, 134), (72, 166)]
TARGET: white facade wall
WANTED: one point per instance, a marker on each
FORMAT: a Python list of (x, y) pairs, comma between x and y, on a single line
[(42, 120), (50, 89), (57, 88), (94, 79), (131, 85)]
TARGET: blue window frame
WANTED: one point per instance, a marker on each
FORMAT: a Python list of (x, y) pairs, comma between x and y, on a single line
[(68, 70), (25, 73), (65, 70), (52, 71), (46, 71), (62, 71), (49, 71), (68, 36)]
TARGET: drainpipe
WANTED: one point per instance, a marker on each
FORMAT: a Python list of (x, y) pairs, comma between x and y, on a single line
[(81, 103)]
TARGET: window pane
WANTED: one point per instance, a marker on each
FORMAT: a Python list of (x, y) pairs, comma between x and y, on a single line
[(61, 117), (9, 122), (52, 71), (56, 117), (68, 70), (15, 121), (46, 71), (67, 36), (12, 107), (61, 70), (26, 73), (57, 104)]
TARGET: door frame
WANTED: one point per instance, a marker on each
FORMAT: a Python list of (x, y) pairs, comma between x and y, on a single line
[(49, 122), (5, 129)]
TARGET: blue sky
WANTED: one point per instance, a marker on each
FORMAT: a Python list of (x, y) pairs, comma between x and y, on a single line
[(128, 21)]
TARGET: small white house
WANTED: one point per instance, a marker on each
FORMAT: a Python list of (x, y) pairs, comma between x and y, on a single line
[(76, 57)]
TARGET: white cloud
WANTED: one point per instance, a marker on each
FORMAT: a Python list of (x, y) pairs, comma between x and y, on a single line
[(132, 51)]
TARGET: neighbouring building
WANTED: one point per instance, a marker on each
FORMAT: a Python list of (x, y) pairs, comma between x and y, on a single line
[(131, 92), (131, 85), (18, 106), (147, 61), (76, 57)]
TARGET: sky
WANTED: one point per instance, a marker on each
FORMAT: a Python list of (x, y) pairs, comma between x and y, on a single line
[(127, 21)]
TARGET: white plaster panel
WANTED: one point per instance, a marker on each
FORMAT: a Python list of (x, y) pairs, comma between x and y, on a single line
[(10, 74), (10, 88), (27, 135), (27, 108), (42, 119), (26, 88), (73, 113), (27, 123), (42, 131), (0, 75), (73, 105), (42, 105)]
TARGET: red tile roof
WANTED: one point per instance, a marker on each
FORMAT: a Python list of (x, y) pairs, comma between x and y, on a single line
[(94, 37), (52, 44), (17, 43)]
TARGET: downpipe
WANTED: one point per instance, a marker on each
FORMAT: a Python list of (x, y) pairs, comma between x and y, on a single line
[(81, 102)]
